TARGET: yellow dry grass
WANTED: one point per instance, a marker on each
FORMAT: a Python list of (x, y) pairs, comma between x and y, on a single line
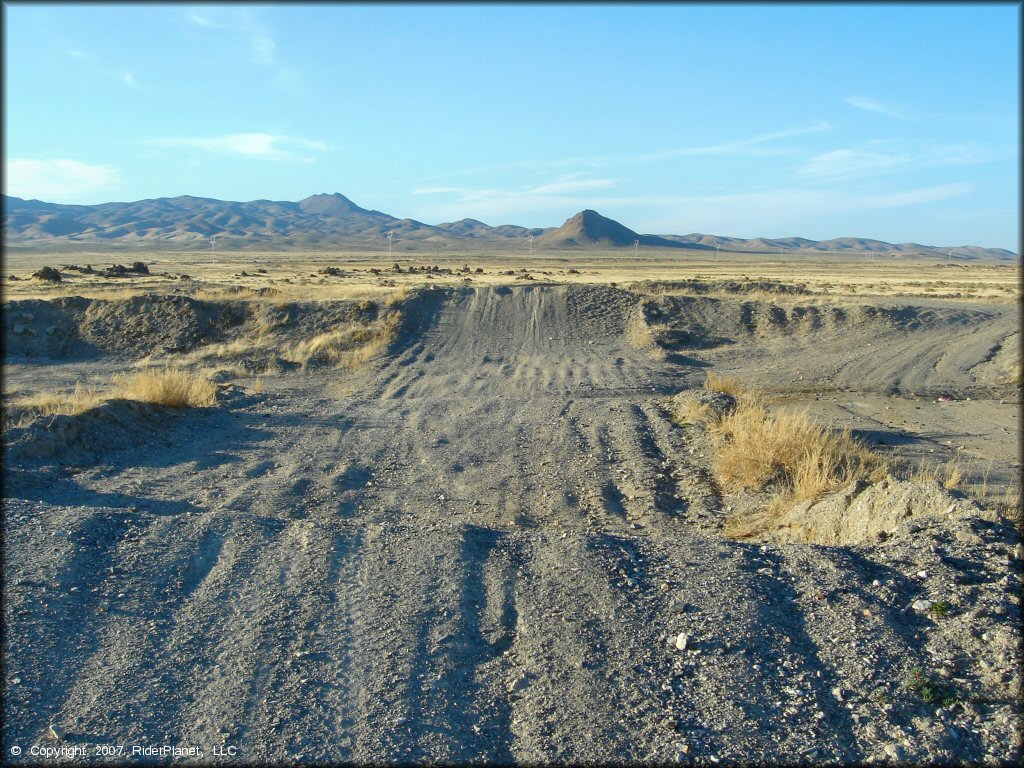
[(639, 334), (724, 384), (786, 452), (347, 347), (171, 387), (27, 407)]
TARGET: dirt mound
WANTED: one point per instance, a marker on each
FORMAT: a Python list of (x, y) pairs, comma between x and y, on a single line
[(78, 327), (144, 324), (47, 329), (112, 425), (698, 322), (865, 513)]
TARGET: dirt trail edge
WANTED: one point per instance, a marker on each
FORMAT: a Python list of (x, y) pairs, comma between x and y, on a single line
[(485, 550)]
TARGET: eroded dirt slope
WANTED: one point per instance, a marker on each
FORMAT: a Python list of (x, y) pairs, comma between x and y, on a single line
[(485, 549)]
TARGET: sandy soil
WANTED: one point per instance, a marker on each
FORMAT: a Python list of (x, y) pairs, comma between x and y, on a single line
[(495, 544)]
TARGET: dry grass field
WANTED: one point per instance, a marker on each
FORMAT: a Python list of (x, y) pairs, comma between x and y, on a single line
[(344, 507)]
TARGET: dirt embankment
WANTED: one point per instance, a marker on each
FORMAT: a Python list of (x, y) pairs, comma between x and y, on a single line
[(499, 546)]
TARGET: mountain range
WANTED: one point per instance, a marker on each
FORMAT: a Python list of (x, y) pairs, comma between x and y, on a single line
[(334, 221)]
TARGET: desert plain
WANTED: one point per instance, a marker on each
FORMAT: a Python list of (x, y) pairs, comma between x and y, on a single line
[(474, 507)]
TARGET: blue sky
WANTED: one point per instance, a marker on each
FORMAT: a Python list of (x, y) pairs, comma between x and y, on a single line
[(900, 123)]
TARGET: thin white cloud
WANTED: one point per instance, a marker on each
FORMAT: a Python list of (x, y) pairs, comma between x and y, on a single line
[(124, 76), (916, 196), (873, 105), (844, 164), (880, 158), (437, 190), (571, 185), (750, 146), (55, 180), (543, 192), (256, 145), (246, 25), (203, 20)]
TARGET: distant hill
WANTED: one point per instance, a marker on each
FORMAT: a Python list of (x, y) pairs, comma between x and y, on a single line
[(333, 220), (589, 228)]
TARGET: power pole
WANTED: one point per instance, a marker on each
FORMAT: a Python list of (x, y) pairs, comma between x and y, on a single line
[(390, 235), (636, 249), (530, 238)]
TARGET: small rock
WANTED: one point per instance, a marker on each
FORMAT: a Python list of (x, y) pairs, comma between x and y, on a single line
[(57, 733), (518, 684), (922, 574), (682, 640), (18, 328), (966, 537), (921, 605), (893, 752)]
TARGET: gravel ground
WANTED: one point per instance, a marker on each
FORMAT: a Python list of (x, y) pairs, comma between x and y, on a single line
[(494, 544)]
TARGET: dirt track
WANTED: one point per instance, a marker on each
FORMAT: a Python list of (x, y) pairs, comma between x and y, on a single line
[(483, 549)]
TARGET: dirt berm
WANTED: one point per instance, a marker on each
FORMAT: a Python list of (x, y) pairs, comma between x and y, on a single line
[(486, 546)]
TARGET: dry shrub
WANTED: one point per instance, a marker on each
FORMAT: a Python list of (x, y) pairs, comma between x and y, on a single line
[(397, 296), (787, 452), (28, 407), (170, 387), (639, 333), (949, 475), (724, 384), (348, 347), (1011, 375)]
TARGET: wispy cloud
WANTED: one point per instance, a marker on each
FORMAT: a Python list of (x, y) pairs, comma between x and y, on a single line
[(203, 20), (55, 180), (750, 145), (571, 185), (753, 146), (560, 186), (127, 77), (257, 145), (878, 107), (844, 164), (880, 158), (248, 26)]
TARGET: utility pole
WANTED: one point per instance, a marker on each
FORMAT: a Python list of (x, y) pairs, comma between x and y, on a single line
[(390, 235), (213, 247), (636, 249), (530, 238)]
